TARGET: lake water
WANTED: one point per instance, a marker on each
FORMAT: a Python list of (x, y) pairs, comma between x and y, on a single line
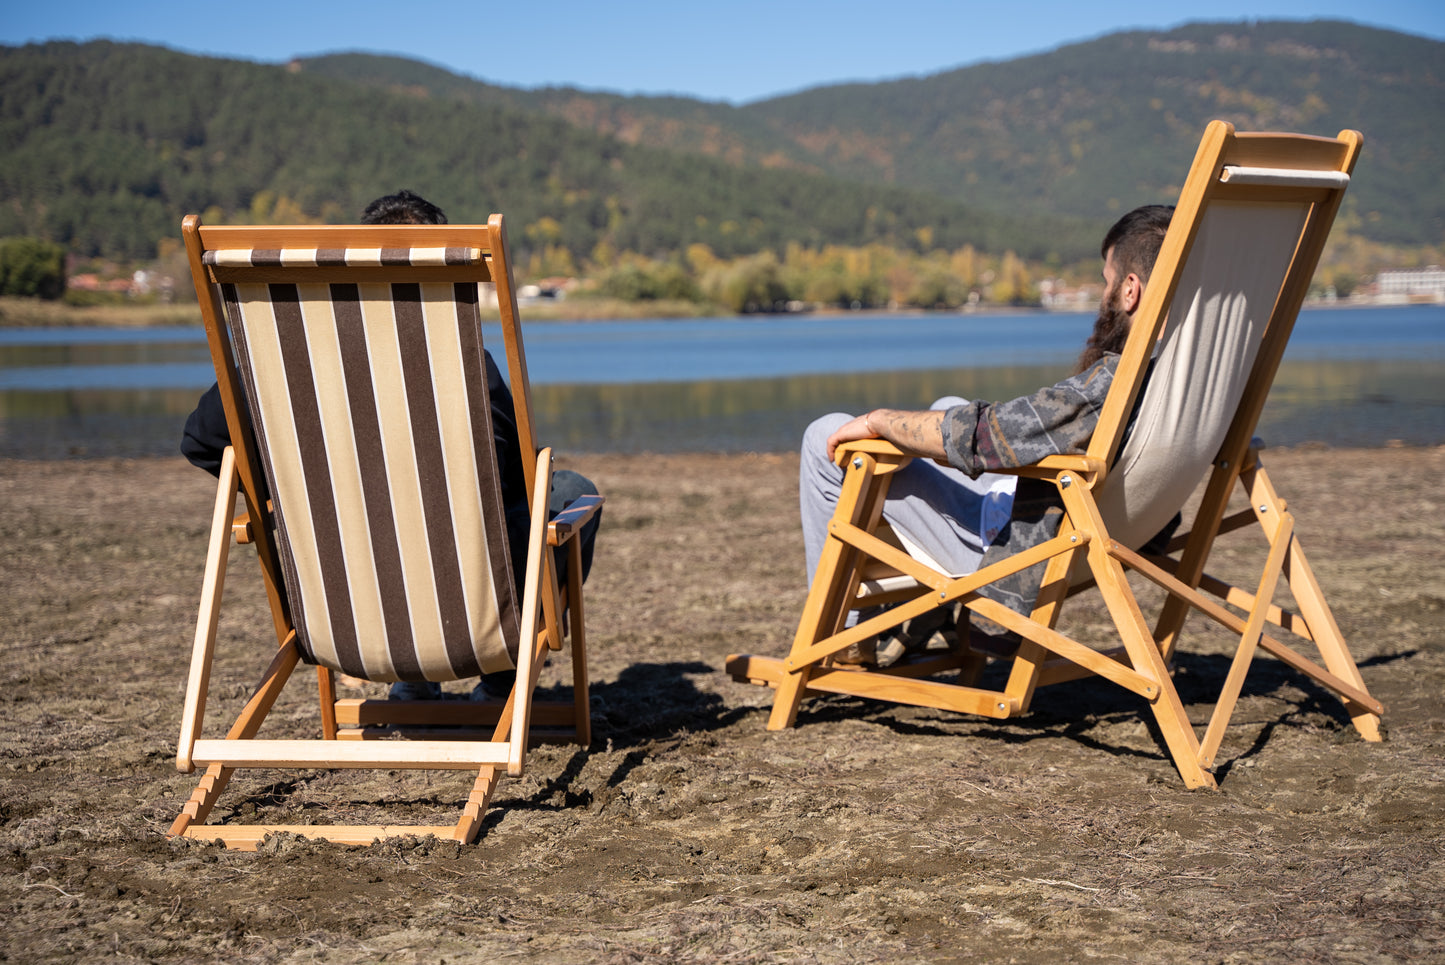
[(1352, 377)]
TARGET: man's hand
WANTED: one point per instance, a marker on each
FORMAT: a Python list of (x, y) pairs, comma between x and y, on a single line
[(851, 431), (916, 433)]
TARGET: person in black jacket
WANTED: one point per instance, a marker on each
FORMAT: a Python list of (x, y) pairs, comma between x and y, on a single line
[(206, 436)]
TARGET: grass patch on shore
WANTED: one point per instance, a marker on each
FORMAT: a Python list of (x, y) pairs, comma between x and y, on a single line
[(37, 313), (600, 307)]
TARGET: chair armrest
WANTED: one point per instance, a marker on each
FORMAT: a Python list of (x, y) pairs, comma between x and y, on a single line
[(1051, 466), (1045, 468), (569, 522), (881, 449)]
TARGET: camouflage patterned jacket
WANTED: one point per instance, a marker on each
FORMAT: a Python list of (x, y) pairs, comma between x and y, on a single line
[(982, 436)]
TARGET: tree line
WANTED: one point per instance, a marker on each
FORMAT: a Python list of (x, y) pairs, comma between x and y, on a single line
[(1085, 130), (834, 276), (105, 146)]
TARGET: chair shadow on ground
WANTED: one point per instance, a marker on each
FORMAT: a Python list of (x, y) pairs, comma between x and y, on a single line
[(649, 706), (653, 706), (1075, 710)]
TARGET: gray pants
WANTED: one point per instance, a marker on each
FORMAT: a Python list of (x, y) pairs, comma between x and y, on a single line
[(937, 507)]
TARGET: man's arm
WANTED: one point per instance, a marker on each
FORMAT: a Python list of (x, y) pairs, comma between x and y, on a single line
[(206, 434), (982, 436), (979, 437), (916, 433)]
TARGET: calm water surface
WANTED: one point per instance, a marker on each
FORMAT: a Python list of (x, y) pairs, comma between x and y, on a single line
[(1351, 377)]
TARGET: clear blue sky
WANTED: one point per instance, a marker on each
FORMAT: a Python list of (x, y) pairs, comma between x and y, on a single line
[(736, 51)]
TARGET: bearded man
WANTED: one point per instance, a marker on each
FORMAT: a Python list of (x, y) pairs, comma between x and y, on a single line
[(963, 515)]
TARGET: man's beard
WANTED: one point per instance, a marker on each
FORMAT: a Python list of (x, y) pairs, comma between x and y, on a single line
[(1111, 330)]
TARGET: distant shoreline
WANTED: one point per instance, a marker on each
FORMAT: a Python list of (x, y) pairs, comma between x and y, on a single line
[(17, 313)]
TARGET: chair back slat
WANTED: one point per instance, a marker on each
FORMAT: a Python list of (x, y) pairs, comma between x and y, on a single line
[(370, 408)]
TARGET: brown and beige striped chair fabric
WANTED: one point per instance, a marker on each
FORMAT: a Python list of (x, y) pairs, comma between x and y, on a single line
[(375, 439), (350, 364)]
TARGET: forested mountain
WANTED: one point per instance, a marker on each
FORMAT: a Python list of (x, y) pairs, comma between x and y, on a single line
[(104, 146), (1084, 130), (712, 128), (1101, 124)]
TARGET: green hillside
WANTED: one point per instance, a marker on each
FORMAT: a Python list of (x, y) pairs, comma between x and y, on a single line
[(1096, 126), (1086, 130), (711, 128), (104, 147)]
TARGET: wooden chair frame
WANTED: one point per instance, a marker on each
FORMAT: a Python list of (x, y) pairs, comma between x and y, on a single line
[(489, 737), (858, 551)]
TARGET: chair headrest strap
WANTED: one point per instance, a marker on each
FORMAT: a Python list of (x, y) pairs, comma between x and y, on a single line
[(1289, 177), (341, 257)]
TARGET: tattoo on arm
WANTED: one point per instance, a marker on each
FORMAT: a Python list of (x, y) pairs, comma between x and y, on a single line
[(917, 433)]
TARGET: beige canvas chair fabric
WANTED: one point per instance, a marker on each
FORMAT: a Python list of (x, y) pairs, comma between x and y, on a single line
[(1226, 293), (350, 364), (1216, 315)]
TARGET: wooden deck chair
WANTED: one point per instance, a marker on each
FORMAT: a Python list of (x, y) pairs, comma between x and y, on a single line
[(1230, 278), (350, 365)]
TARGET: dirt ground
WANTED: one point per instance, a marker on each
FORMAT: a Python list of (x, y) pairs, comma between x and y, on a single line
[(687, 832)]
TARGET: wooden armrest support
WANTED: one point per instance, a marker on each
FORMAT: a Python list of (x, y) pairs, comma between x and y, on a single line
[(570, 521), (881, 449), (1050, 466), (1046, 468), (241, 527)]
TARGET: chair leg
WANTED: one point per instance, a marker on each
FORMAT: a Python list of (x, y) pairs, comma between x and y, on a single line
[(1029, 662), (817, 608), (577, 634), (824, 613), (198, 807), (1168, 709), (787, 699), (1337, 659), (1310, 599), (480, 798), (212, 585), (248, 722), (478, 801), (970, 670), (860, 504), (326, 684), (1139, 643), (1248, 642)]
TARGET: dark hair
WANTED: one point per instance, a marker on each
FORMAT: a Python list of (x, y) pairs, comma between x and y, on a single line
[(1135, 240), (402, 208)]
